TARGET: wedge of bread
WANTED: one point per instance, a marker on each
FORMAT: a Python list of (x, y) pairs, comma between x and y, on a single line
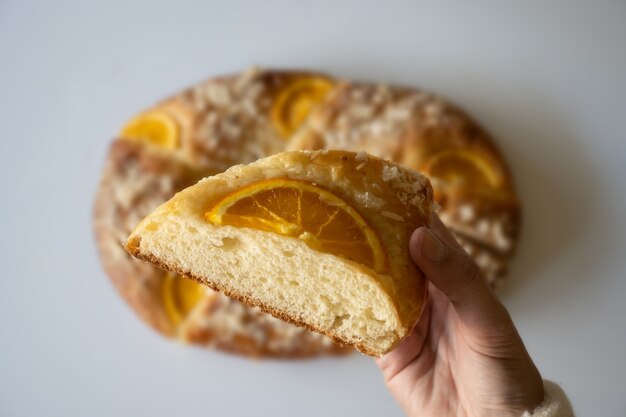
[(318, 239)]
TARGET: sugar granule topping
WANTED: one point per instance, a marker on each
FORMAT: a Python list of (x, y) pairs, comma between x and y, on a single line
[(406, 184), (369, 200), (313, 155), (361, 156), (390, 172)]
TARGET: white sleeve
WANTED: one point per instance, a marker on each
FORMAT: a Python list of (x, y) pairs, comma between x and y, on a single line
[(555, 403)]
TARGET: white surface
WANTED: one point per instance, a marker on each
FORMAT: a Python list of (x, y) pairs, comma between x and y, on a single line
[(548, 80)]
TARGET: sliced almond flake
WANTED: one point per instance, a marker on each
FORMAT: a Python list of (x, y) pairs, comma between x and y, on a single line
[(361, 165), (255, 90), (249, 108), (433, 109), (502, 241), (218, 94), (391, 215), (466, 212), (483, 226), (246, 78), (361, 111), (397, 113)]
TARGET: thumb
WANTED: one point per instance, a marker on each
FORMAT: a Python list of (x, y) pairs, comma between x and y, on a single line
[(449, 268)]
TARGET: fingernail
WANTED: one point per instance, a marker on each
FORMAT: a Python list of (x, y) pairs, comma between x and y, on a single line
[(431, 247)]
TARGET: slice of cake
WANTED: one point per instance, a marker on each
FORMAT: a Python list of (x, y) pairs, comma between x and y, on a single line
[(319, 239)]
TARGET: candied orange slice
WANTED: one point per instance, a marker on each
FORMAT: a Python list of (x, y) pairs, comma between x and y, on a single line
[(295, 102), (461, 167), (305, 211), (180, 295), (156, 127)]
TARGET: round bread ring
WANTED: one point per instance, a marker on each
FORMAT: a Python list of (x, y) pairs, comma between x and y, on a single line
[(226, 121)]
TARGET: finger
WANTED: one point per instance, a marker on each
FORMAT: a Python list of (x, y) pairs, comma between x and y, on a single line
[(451, 270), (436, 225)]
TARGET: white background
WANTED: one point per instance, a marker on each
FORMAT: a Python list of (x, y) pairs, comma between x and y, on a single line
[(547, 78)]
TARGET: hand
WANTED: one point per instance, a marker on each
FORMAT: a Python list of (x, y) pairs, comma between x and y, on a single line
[(464, 357)]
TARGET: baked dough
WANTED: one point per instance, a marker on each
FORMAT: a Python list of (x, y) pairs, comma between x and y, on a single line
[(370, 305), (231, 120)]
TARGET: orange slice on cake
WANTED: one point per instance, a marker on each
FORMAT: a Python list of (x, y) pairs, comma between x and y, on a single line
[(305, 211), (155, 127), (463, 168), (180, 295), (295, 102)]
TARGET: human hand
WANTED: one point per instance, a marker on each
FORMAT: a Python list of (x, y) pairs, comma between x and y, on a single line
[(464, 357)]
